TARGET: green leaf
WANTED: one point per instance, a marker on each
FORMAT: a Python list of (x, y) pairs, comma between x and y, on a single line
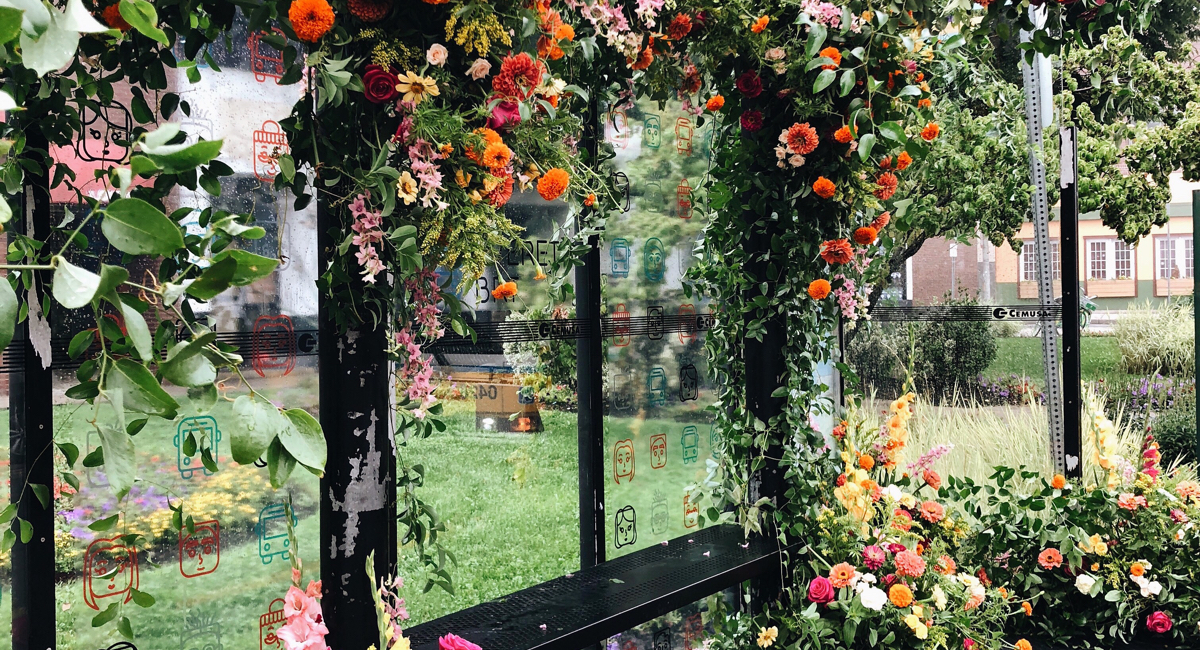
[(51, 51), (125, 628), (143, 166), (823, 80), (179, 158), (95, 458), (73, 287), (103, 618), (69, 451), (139, 332), (26, 531), (10, 538), (119, 459), (35, 18), (865, 144), (213, 280), (9, 512), (287, 166), (80, 343), (9, 308), (231, 227), (816, 38), (107, 523), (111, 277), (256, 424), (304, 439), (142, 16), (204, 398), (42, 493), (892, 131), (142, 391), (910, 90), (134, 226), (10, 24), (141, 598), (279, 464), (184, 367), (250, 267), (848, 79)]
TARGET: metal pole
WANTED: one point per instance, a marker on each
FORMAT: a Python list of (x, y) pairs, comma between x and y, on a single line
[(589, 362), (1069, 234), (1038, 114), (1196, 299)]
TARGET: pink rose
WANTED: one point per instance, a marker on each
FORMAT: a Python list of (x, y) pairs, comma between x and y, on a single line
[(1159, 623), (504, 115), (379, 85), (820, 591), (455, 642), (775, 54), (437, 54), (479, 69)]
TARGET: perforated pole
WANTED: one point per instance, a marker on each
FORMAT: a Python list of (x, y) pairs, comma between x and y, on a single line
[(1037, 116)]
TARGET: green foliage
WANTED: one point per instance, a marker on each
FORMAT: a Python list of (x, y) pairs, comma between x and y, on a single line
[(1157, 339), (1175, 430)]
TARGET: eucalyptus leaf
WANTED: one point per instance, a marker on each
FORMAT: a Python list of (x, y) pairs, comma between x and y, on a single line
[(176, 159), (73, 286), (119, 459), (304, 439), (134, 226), (823, 80), (139, 332), (142, 391)]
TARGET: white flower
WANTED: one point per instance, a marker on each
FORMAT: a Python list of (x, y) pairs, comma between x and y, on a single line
[(437, 54), (893, 493), (968, 580), (939, 597), (862, 581), (479, 69), (873, 598), (908, 501), (796, 160), (1148, 587), (1084, 583), (780, 153)]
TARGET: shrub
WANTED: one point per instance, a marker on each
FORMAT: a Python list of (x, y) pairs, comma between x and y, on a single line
[(1157, 339), (1175, 430)]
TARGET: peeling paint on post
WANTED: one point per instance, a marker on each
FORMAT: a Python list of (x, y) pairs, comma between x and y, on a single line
[(358, 491)]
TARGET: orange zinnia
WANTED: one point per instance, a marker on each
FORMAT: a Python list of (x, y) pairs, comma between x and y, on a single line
[(841, 575), (553, 183), (311, 19), (865, 236), (819, 289), (824, 187), (506, 290), (565, 33), (932, 512), (930, 132), (843, 135), (1050, 558), (112, 16), (1022, 644), (903, 161), (496, 156), (900, 595), (1137, 570), (1058, 482), (715, 103), (866, 462), (831, 53), (1028, 608), (886, 186), (837, 251), (590, 200), (880, 223), (802, 139), (760, 24)]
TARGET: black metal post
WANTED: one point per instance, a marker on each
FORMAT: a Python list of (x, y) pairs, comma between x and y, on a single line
[(589, 363), (358, 490), (1069, 244), (31, 452), (1196, 301)]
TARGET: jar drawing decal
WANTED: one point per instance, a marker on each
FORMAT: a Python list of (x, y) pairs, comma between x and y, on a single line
[(110, 570), (659, 517), (202, 430), (268, 144), (625, 526), (690, 441), (691, 512), (683, 199), (200, 631), (683, 136), (652, 131), (693, 632), (620, 319), (654, 260), (658, 451), (200, 551), (662, 639), (687, 316), (269, 624), (265, 61), (623, 461), (619, 252), (656, 387), (273, 346), (620, 128)]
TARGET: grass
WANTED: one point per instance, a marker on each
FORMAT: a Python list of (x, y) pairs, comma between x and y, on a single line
[(1099, 359)]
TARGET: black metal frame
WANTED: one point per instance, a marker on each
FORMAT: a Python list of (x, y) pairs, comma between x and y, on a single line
[(1072, 355)]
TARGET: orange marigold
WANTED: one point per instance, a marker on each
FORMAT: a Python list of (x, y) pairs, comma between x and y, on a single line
[(841, 575), (819, 289), (715, 103), (925, 103), (880, 223), (900, 595), (831, 53), (311, 19), (1003, 593), (564, 33), (886, 185), (590, 200), (866, 462), (1137, 570), (1022, 644), (824, 187), (802, 139), (553, 183), (496, 156), (506, 290), (1050, 558), (865, 236), (112, 16), (837, 251), (903, 161), (843, 135), (930, 132), (760, 24), (1027, 607), (1058, 482)]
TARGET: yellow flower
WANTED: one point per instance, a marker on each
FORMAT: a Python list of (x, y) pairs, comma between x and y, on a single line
[(939, 598), (402, 644), (416, 88), (462, 178), (908, 501), (918, 627), (406, 188), (918, 610), (767, 636)]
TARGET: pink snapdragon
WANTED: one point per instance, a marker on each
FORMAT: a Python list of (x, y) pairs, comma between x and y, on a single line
[(930, 457), (417, 369), (367, 233)]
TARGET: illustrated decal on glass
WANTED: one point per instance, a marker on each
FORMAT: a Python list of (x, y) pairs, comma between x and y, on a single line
[(662, 639), (690, 441), (654, 260), (691, 512), (270, 623), (683, 136), (621, 337), (712, 438), (619, 252), (621, 183), (656, 387), (658, 451), (272, 533), (652, 131), (623, 397), (654, 322), (620, 124), (625, 525), (683, 199), (693, 631), (687, 314), (265, 61), (200, 632), (106, 132), (200, 551), (689, 383), (197, 125), (110, 570), (660, 518), (629, 645), (273, 346), (268, 144), (623, 465), (121, 645), (201, 427)]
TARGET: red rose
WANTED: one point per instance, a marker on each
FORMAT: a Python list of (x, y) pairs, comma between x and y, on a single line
[(504, 115), (1159, 623), (820, 590), (379, 85), (749, 84)]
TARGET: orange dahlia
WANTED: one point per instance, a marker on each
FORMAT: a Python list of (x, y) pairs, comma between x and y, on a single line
[(715, 103), (553, 183), (900, 595), (802, 139), (880, 223), (824, 187), (843, 135), (865, 236), (112, 16), (903, 161), (819, 289), (506, 290), (760, 24), (887, 184), (496, 156), (930, 132), (831, 53), (841, 575), (837, 251), (645, 58), (311, 19)]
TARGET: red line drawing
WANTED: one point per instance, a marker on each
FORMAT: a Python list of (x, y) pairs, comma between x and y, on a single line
[(110, 570), (200, 552), (273, 345)]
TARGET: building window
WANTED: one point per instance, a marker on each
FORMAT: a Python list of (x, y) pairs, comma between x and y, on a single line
[(1029, 261), (1176, 257), (1109, 259)]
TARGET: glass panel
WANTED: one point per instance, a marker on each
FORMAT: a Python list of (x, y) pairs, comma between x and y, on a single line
[(1123, 257), (1097, 260), (658, 434), (686, 628)]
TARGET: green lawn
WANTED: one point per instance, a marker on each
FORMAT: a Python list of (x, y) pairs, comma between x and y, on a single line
[(1099, 359)]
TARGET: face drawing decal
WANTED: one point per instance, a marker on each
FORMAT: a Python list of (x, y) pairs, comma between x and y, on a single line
[(110, 570), (625, 525), (652, 131), (658, 451), (623, 463), (689, 383), (659, 517), (654, 260)]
